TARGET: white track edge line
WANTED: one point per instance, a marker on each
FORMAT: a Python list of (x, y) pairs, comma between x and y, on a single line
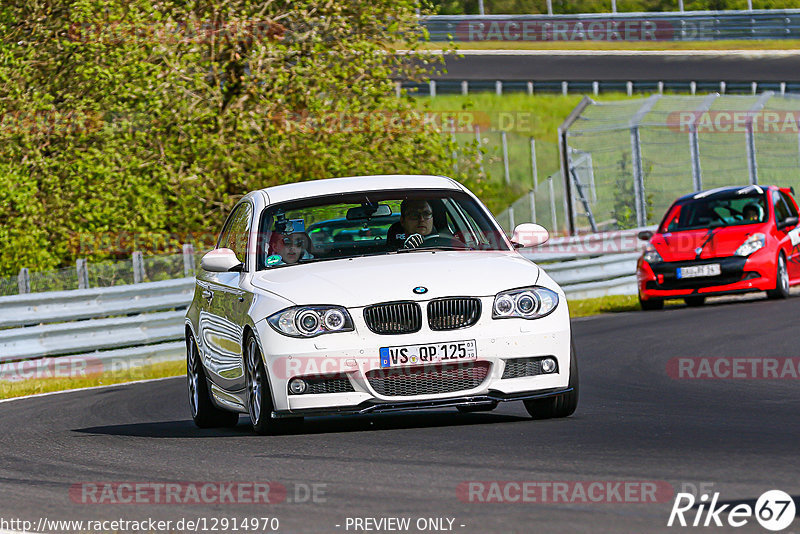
[(12, 399)]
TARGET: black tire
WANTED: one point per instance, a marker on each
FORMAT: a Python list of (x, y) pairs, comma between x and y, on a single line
[(695, 301), (204, 413), (781, 290), (651, 304), (562, 405), (477, 408), (259, 398)]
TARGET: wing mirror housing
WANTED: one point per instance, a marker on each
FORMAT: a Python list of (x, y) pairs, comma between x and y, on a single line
[(221, 260), (645, 235), (529, 235), (788, 221)]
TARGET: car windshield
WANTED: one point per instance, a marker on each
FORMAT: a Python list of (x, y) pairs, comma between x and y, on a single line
[(360, 224), (716, 211)]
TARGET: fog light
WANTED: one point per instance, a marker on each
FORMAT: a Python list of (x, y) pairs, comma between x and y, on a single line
[(548, 365), (297, 386)]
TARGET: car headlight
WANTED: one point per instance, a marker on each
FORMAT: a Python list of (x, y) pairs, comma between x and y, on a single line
[(751, 244), (310, 321), (651, 255), (527, 303)]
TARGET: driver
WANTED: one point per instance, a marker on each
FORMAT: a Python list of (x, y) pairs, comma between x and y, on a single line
[(751, 212), (416, 222)]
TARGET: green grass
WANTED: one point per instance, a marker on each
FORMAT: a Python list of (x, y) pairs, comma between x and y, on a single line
[(776, 44), (609, 304), (9, 389)]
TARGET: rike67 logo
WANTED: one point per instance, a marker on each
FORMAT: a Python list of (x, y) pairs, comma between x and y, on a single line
[(774, 510)]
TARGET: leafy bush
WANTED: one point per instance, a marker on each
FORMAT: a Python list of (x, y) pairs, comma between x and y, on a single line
[(139, 117)]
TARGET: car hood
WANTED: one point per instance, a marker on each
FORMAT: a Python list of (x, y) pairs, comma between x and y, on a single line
[(362, 281), (716, 242)]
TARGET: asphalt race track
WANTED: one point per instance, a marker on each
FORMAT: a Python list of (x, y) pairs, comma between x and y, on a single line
[(574, 65), (634, 423)]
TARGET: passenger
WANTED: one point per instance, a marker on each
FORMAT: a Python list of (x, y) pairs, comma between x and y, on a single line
[(288, 248)]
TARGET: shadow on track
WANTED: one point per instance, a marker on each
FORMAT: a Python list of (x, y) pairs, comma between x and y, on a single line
[(310, 426)]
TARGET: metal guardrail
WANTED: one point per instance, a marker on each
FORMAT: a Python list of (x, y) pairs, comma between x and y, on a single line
[(569, 273), (77, 324), (60, 306), (635, 27), (84, 336)]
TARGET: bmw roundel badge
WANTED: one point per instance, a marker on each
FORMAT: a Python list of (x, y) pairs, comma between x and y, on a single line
[(419, 290)]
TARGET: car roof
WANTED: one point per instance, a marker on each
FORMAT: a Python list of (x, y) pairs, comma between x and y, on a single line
[(725, 191), (332, 186)]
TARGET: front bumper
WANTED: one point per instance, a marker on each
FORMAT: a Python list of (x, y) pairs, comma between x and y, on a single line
[(388, 407), (738, 275), (352, 355)]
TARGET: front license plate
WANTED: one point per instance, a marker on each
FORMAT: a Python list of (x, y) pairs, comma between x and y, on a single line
[(452, 351), (696, 271)]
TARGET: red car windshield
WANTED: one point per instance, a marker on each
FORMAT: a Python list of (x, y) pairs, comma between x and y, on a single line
[(716, 211)]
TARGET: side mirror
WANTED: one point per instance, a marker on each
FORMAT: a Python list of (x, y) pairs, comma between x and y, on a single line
[(221, 260), (645, 235), (788, 221), (529, 235)]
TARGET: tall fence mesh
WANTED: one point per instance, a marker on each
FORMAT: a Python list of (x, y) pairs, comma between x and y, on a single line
[(646, 152)]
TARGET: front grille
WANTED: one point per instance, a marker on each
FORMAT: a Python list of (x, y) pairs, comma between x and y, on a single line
[(332, 384), (731, 271), (520, 367), (453, 313), (394, 318), (428, 380)]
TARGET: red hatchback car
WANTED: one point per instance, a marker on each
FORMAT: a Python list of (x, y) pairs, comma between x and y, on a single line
[(722, 241)]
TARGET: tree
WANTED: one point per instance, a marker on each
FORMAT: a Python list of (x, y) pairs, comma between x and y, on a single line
[(151, 117)]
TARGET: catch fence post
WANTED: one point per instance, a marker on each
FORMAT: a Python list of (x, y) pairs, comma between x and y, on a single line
[(138, 268), (24, 281), (81, 266), (188, 259)]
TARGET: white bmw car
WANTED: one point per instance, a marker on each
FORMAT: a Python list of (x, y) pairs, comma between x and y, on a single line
[(373, 294)]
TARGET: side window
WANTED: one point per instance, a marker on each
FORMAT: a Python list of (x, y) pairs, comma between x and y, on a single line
[(236, 232), (789, 204), (781, 211)]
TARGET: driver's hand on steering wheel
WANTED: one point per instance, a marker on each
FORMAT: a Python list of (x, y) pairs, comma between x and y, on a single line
[(413, 241)]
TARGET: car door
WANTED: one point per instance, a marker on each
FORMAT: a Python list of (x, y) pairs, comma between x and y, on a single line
[(225, 304), (792, 233)]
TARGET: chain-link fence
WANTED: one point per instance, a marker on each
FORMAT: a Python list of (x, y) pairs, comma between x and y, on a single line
[(86, 274), (647, 152), (525, 164)]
